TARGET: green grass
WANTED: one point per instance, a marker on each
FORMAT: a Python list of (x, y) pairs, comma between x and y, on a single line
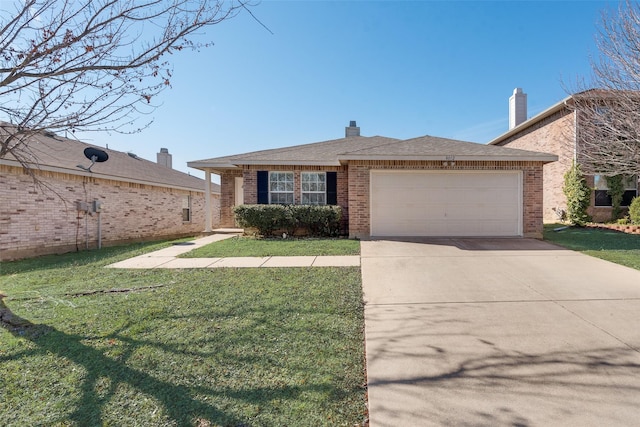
[(228, 347), (251, 247), (609, 245)]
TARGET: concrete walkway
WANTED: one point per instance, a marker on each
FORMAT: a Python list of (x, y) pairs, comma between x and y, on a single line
[(168, 258), (502, 332)]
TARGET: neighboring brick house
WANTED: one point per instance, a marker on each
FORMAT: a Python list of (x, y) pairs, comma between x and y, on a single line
[(424, 186), (136, 200), (554, 131)]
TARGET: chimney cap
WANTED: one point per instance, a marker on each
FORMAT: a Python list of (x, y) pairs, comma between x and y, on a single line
[(351, 130)]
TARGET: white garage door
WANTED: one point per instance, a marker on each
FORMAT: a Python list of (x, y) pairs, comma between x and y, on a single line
[(460, 203)]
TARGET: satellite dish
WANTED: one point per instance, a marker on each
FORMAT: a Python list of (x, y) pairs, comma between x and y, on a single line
[(95, 155)]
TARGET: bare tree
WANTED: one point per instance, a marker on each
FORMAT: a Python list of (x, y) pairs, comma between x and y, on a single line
[(90, 65), (608, 117)]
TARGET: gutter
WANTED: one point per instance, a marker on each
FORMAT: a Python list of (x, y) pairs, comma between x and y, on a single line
[(546, 158)]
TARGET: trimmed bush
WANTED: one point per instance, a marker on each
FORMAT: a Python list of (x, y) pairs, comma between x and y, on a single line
[(634, 210), (578, 196), (266, 218), (319, 221)]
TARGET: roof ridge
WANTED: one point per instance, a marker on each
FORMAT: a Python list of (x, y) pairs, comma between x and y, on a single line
[(382, 144), (57, 152), (289, 148)]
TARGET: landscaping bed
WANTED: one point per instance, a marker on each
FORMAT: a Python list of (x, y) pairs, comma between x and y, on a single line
[(624, 228), (228, 347)]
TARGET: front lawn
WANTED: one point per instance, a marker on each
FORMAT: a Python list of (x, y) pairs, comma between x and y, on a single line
[(228, 347), (252, 247), (610, 245)]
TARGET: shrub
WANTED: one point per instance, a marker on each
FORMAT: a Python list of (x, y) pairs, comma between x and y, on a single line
[(317, 220), (266, 218), (634, 210), (578, 196), (623, 221)]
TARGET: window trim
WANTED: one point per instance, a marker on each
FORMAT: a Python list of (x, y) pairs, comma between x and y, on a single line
[(302, 192), (293, 187)]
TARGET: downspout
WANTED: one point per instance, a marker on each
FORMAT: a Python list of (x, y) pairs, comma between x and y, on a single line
[(575, 137), (86, 230), (99, 230), (575, 131), (207, 201)]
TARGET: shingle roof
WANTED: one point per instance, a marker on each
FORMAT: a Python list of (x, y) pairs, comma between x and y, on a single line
[(322, 153), (63, 155), (434, 148), (338, 151)]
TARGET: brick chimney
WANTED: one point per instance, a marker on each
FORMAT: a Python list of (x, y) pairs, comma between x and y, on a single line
[(517, 108), (352, 130), (164, 158)]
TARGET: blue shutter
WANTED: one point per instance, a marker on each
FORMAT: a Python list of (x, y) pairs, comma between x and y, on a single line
[(263, 187), (332, 188)]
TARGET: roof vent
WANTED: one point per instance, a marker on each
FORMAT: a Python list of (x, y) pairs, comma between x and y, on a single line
[(352, 130)]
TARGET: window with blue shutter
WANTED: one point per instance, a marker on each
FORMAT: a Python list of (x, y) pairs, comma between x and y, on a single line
[(263, 187), (332, 188)]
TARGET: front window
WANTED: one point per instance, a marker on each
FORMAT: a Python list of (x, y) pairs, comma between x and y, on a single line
[(281, 188), (186, 209), (314, 188), (603, 199)]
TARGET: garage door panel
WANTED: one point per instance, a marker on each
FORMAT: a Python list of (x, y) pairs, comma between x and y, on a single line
[(421, 203)]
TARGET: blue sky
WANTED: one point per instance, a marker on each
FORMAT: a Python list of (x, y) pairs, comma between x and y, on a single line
[(400, 69)]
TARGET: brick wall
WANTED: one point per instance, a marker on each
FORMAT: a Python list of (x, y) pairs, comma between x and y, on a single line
[(40, 219), (250, 180), (555, 135), (359, 201), (228, 197)]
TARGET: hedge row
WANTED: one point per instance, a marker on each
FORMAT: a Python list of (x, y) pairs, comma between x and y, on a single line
[(318, 221)]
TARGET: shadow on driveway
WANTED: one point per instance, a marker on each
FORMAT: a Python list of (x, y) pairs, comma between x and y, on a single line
[(499, 332)]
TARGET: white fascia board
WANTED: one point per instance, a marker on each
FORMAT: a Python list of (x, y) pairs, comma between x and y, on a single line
[(290, 162), (447, 158), (204, 165), (239, 164), (103, 176)]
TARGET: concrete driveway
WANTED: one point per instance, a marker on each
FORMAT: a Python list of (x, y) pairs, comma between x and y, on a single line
[(515, 332)]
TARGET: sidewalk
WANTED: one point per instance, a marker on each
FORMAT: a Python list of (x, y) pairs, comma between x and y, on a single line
[(167, 258)]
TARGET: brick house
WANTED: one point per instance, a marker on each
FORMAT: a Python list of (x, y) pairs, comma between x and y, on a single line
[(121, 200), (554, 131), (424, 186)]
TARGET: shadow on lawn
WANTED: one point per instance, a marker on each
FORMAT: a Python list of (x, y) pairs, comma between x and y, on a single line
[(178, 401), (590, 239)]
